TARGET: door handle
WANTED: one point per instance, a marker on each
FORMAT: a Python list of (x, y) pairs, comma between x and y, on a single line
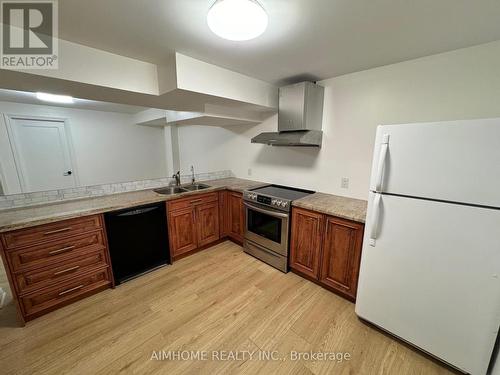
[(381, 162), (68, 173), (71, 290), (56, 231), (66, 270), (63, 250), (374, 220)]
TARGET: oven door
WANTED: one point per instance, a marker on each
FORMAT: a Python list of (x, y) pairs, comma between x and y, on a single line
[(267, 227)]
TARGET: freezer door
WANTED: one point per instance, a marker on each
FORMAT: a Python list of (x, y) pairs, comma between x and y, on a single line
[(456, 161), (430, 275)]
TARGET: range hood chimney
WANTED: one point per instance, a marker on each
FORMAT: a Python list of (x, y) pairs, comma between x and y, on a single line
[(299, 118)]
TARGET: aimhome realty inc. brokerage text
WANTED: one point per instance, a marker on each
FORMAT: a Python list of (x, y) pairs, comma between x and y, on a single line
[(244, 355)]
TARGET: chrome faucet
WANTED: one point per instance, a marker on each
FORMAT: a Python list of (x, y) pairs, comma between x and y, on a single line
[(177, 177), (192, 175)]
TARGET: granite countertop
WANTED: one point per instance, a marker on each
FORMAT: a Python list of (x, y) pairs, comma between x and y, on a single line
[(19, 218), (335, 205)]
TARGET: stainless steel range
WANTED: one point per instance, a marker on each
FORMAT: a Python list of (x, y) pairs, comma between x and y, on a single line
[(267, 229)]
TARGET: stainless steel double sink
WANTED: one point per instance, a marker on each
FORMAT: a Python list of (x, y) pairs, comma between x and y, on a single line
[(170, 190)]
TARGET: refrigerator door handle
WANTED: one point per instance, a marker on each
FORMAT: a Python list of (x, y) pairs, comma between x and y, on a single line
[(381, 162), (375, 219)]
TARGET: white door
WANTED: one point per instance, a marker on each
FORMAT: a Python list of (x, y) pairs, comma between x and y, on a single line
[(433, 277), (41, 153), (456, 161)]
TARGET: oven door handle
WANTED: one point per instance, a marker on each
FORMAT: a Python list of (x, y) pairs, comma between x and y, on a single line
[(267, 212)]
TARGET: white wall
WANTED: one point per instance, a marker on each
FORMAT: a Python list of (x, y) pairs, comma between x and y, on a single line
[(108, 146), (462, 84)]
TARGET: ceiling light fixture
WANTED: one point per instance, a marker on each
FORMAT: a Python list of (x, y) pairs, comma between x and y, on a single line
[(237, 20), (54, 98)]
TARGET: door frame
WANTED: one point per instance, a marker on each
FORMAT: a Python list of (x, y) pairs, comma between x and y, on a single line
[(9, 118)]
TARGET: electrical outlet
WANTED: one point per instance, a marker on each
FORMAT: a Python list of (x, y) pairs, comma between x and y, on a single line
[(249, 171), (344, 184)]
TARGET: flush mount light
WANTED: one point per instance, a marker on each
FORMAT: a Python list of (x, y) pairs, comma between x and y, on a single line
[(237, 19), (54, 98)]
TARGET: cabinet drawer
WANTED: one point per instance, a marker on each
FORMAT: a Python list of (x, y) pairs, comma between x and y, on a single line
[(52, 231), (46, 277), (183, 203), (38, 302), (49, 254), (276, 260)]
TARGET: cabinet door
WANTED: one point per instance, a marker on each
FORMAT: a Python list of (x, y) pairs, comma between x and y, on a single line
[(223, 214), (305, 247), (235, 216), (207, 221), (182, 230), (341, 255)]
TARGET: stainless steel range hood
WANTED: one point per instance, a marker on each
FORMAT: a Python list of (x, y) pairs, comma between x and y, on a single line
[(304, 138), (299, 118)]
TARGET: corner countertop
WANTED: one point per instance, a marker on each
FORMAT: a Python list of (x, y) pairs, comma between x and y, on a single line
[(19, 218), (335, 205), (25, 217)]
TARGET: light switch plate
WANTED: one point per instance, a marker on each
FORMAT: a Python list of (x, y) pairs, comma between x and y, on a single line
[(344, 184)]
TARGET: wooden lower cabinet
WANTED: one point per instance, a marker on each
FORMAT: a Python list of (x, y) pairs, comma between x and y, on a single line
[(207, 223), (52, 265), (203, 219), (182, 231), (307, 228), (327, 250), (235, 216), (341, 255), (193, 223), (223, 226)]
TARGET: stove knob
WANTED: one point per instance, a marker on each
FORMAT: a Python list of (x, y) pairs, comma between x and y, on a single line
[(284, 204), (273, 202), (279, 203)]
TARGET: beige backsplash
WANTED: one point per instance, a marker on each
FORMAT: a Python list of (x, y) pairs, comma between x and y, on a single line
[(51, 196)]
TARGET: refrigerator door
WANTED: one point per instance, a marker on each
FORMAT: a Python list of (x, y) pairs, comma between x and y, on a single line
[(430, 275), (457, 161)]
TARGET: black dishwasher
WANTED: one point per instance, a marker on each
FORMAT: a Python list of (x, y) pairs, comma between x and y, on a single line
[(138, 240)]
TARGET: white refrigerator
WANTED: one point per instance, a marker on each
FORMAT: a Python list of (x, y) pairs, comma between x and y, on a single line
[(430, 267)]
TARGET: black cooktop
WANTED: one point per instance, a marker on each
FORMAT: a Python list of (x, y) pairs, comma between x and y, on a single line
[(283, 192)]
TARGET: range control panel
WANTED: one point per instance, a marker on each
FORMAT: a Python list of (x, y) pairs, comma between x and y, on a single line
[(281, 204)]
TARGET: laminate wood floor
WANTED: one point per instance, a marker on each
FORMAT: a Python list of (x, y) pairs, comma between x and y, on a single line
[(220, 299)]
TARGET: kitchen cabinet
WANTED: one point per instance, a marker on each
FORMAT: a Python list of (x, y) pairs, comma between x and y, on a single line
[(52, 265), (327, 250), (223, 227), (182, 231), (203, 219), (207, 217), (193, 223), (341, 255), (307, 228), (235, 216)]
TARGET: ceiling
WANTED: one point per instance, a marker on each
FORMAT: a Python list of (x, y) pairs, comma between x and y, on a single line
[(30, 98), (305, 39)]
